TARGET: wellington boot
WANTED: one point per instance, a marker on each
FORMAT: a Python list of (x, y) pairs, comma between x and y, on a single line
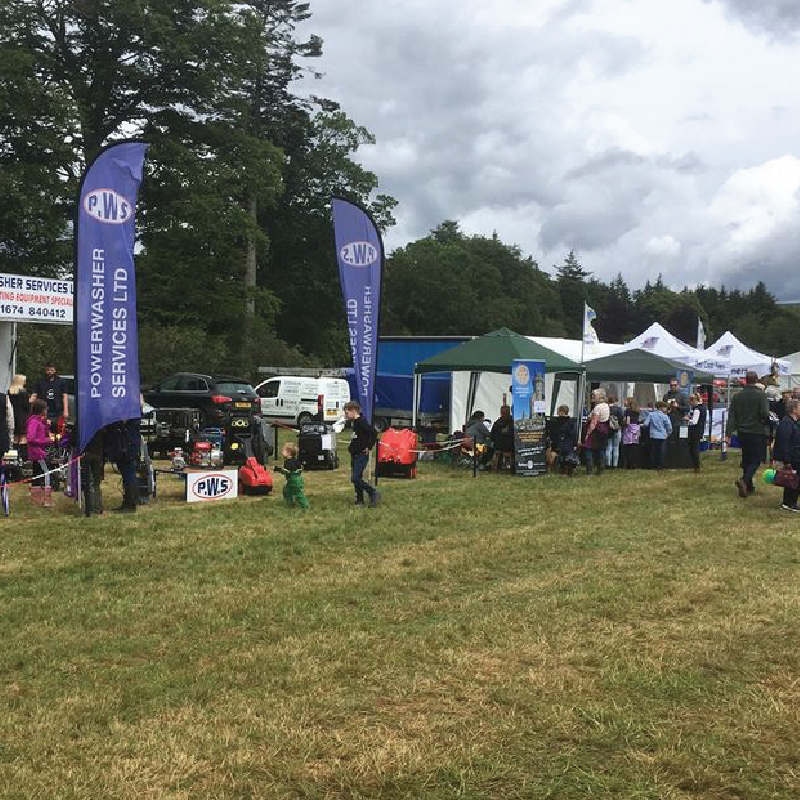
[(129, 499)]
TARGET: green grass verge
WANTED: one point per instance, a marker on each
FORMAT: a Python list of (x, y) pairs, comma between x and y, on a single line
[(634, 636)]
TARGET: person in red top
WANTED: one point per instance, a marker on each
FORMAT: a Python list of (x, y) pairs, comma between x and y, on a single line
[(39, 436)]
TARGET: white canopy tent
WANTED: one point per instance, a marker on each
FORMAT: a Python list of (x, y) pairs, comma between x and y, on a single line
[(571, 348), (791, 380), (657, 339), (493, 390), (740, 359)]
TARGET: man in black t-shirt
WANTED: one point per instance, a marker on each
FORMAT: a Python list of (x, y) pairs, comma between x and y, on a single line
[(679, 397), (53, 390)]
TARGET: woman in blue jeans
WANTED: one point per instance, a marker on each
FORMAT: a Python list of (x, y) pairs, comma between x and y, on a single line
[(660, 427)]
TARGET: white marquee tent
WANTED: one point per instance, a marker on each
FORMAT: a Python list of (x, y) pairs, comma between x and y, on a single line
[(740, 359), (658, 340), (791, 380)]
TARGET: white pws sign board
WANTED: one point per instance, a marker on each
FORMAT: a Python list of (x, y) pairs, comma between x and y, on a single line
[(206, 487), (26, 299)]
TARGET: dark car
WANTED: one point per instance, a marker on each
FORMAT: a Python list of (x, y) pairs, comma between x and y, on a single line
[(216, 397)]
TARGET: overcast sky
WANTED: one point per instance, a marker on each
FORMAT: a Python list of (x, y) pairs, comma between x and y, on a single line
[(650, 136)]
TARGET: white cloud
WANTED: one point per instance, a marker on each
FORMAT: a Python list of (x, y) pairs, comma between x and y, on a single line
[(644, 135), (663, 247)]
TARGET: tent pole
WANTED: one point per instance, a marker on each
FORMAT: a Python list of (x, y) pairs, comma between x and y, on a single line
[(415, 401), (724, 454)]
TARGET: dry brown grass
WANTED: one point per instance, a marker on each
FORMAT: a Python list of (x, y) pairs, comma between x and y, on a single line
[(634, 637)]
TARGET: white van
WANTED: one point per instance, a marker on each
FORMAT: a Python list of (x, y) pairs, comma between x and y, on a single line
[(303, 400)]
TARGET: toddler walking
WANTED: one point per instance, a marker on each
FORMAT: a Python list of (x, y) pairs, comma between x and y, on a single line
[(292, 470)]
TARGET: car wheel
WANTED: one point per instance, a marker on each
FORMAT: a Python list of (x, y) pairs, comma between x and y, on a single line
[(305, 419), (381, 424)]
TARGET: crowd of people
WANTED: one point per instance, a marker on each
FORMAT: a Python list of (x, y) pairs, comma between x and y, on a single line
[(37, 419), (766, 421), (612, 435), (623, 435)]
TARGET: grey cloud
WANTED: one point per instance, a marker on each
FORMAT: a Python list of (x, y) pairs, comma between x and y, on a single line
[(687, 164), (781, 18), (494, 125), (585, 228), (613, 157)]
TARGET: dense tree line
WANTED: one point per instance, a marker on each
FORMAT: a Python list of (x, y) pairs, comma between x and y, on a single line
[(235, 260), (234, 221), (451, 283)]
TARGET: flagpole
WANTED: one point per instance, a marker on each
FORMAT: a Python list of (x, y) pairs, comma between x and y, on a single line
[(582, 381)]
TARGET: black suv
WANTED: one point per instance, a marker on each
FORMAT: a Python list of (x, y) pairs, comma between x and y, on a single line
[(217, 397)]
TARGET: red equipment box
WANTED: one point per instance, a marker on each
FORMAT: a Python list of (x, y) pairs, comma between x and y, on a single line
[(397, 454)]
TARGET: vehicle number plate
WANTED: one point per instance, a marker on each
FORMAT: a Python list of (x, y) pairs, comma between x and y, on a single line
[(241, 405)]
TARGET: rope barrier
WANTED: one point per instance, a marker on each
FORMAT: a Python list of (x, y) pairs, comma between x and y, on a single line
[(44, 474), (436, 447)]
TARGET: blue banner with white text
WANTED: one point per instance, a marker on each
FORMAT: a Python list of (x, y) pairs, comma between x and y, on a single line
[(529, 409), (106, 332), (359, 253)]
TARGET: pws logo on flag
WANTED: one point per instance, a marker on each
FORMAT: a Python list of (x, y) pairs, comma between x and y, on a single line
[(106, 205), (359, 254), (725, 350), (213, 487), (650, 342)]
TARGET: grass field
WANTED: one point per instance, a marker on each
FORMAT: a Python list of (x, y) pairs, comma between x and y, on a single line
[(634, 636)]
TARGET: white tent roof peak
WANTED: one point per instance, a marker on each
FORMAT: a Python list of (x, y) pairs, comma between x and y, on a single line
[(572, 348), (657, 339), (742, 358)]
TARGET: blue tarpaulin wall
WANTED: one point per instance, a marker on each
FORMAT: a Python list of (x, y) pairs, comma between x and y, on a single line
[(397, 391), (398, 356)]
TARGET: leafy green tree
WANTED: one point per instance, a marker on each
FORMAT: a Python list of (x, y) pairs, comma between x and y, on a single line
[(571, 279), (301, 269), (449, 283)]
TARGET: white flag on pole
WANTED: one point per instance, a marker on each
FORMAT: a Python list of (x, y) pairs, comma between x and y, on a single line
[(701, 335), (590, 338)]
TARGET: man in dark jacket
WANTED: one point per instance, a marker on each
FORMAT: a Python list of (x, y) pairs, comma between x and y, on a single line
[(53, 390), (479, 432), (364, 439), (503, 435), (787, 449), (749, 419)]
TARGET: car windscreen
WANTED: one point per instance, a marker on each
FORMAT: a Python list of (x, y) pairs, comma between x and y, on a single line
[(235, 389)]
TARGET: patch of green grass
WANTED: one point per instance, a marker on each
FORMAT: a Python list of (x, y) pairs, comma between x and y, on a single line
[(633, 636)]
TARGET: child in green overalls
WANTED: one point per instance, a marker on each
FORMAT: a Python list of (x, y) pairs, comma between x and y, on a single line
[(292, 470)]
